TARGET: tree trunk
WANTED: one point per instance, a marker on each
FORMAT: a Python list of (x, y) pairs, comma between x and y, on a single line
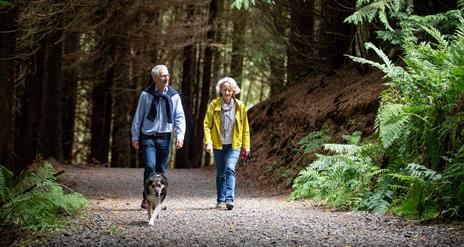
[(69, 94), (188, 72), (120, 141), (29, 118), (335, 36), (217, 55), (51, 135), (300, 41), (238, 44), (101, 115), (7, 84), (207, 65), (277, 79), (216, 66)]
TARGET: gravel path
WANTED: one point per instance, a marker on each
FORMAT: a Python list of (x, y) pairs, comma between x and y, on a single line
[(115, 218)]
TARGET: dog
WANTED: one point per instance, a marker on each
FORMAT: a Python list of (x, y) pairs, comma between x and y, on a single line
[(156, 189)]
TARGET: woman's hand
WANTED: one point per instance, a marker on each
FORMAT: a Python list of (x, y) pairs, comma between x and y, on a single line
[(209, 148), (244, 154)]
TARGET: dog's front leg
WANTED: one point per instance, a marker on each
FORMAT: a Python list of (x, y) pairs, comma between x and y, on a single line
[(152, 219), (151, 216), (157, 210)]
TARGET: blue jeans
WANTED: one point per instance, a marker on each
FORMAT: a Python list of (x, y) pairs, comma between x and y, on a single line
[(155, 155), (225, 159)]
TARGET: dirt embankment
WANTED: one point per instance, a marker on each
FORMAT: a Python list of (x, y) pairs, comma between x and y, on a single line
[(341, 103)]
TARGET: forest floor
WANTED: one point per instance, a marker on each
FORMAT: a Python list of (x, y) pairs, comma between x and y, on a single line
[(260, 217)]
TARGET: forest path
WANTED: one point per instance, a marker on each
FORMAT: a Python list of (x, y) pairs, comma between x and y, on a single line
[(258, 219)]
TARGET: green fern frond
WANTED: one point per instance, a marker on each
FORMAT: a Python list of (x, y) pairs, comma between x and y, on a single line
[(313, 141), (460, 4), (442, 42), (354, 138), (391, 67), (324, 162), (391, 123), (246, 4), (420, 171), (367, 11), (342, 148), (35, 201), (392, 71), (6, 182)]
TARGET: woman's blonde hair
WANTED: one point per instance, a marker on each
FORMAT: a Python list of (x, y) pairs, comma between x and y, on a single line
[(232, 83)]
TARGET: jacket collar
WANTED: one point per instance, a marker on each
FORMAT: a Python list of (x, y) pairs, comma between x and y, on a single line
[(218, 102)]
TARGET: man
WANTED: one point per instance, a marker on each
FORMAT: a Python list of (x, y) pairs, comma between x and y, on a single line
[(159, 111)]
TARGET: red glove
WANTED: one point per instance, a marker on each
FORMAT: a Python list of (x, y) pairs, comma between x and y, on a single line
[(244, 154)]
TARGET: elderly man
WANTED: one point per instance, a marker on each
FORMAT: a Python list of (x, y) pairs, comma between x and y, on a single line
[(159, 112)]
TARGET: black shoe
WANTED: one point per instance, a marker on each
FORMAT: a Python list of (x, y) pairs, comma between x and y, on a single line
[(229, 205), (144, 204)]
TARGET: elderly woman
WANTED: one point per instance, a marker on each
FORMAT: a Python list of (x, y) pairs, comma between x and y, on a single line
[(227, 135)]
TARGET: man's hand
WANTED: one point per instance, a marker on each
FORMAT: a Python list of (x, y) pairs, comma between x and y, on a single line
[(135, 145), (179, 143), (209, 148)]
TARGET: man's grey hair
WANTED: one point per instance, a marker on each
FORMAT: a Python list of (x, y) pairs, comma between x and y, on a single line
[(232, 83), (155, 72)]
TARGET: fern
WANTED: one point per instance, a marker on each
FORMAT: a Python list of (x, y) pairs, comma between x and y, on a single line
[(342, 148), (246, 4), (417, 197), (451, 186), (35, 201), (379, 199), (6, 182), (343, 179), (392, 71), (391, 123), (367, 11), (354, 138), (416, 170), (313, 141)]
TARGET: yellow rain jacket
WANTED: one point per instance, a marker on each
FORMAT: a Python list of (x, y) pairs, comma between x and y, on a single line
[(212, 125)]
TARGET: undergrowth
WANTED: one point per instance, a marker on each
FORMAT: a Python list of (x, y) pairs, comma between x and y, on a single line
[(34, 200), (415, 166)]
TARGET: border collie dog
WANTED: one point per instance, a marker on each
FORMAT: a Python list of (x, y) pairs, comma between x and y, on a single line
[(156, 189)]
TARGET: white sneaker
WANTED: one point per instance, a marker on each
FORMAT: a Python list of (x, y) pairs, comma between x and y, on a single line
[(221, 205)]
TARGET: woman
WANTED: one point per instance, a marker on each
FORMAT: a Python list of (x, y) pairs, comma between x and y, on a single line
[(226, 132)]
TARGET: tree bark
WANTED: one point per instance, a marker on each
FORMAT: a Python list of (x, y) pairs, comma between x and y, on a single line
[(206, 84), (300, 41), (238, 44), (29, 118), (217, 55), (277, 79), (69, 94), (8, 26), (120, 141), (101, 114), (335, 35), (188, 72), (51, 134)]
